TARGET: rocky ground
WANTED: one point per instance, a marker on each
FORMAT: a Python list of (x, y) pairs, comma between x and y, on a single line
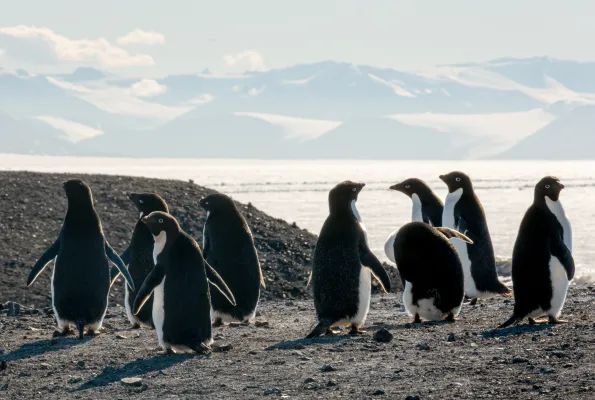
[(464, 360)]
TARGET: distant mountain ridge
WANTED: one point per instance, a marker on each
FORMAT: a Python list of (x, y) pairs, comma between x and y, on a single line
[(321, 110)]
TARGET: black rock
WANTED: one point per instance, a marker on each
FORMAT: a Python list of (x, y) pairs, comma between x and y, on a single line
[(378, 393), (327, 368), (268, 392), (519, 360), (309, 380), (383, 336), (14, 309), (412, 398), (423, 346), (451, 337), (3, 365)]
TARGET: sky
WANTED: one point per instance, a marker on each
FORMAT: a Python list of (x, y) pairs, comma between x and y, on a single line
[(156, 38)]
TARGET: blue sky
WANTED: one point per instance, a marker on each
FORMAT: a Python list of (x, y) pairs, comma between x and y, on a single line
[(234, 35)]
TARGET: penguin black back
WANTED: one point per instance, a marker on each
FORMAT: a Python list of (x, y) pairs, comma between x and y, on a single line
[(427, 207), (139, 254), (228, 246)]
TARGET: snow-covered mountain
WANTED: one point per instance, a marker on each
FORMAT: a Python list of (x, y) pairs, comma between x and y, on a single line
[(500, 108)]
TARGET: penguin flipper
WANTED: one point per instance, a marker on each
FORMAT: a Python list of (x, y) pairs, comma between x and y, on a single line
[(113, 256), (309, 279), (151, 281), (369, 260), (125, 257), (47, 257), (513, 320), (562, 253), (115, 272), (218, 283), (451, 233)]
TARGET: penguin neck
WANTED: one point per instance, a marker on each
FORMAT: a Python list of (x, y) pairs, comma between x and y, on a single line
[(162, 241), (416, 210), (345, 209), (555, 207)]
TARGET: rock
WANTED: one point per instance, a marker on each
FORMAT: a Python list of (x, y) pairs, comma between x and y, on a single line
[(222, 348), (14, 309), (133, 382), (80, 364), (119, 336), (519, 360), (327, 368), (423, 346), (75, 379), (261, 324), (412, 398), (451, 337), (3, 365), (268, 392), (383, 336), (331, 384), (309, 380), (378, 393)]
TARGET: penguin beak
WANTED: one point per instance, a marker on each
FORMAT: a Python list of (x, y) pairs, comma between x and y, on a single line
[(562, 186), (442, 178), (132, 196), (396, 187)]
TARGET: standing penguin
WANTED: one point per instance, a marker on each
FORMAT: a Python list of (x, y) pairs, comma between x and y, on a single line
[(427, 207), (463, 212), (180, 286), (542, 263), (229, 248), (81, 276), (139, 255), (431, 271), (343, 265)]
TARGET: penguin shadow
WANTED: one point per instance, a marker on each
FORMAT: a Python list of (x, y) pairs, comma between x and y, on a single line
[(139, 367), (42, 347), (515, 330), (302, 343)]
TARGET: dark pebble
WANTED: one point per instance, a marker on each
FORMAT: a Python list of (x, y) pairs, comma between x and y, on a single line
[(519, 360), (3, 365), (451, 337), (309, 380), (378, 393), (268, 392), (412, 398), (383, 336), (327, 368), (331, 384), (223, 348), (423, 346)]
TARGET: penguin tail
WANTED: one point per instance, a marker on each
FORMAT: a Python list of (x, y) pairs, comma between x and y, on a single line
[(513, 320), (320, 329), (80, 326)]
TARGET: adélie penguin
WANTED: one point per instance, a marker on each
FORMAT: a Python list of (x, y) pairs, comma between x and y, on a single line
[(138, 256), (180, 284), (228, 246), (463, 212), (431, 271), (542, 262), (343, 265), (81, 275), (427, 207)]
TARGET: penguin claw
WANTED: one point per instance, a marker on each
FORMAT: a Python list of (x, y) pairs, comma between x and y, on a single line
[(556, 321), (356, 331), (473, 301), (331, 332), (218, 323), (533, 321)]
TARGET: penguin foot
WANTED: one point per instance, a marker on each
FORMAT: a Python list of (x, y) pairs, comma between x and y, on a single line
[(556, 321), (64, 332), (331, 332), (218, 323), (92, 333), (135, 326), (473, 301), (417, 319), (356, 331), (533, 321), (202, 349), (509, 294), (450, 318)]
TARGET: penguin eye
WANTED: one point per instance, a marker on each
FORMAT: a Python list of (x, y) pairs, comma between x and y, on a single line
[(160, 220), (458, 179), (141, 201), (547, 186), (407, 186), (354, 189)]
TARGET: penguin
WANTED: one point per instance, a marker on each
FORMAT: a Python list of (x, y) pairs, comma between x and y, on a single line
[(81, 275), (139, 256), (343, 265), (463, 212), (427, 207), (431, 271), (542, 262), (228, 246), (180, 284)]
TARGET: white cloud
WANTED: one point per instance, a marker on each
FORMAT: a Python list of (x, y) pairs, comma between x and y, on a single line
[(74, 131), (1, 52), (200, 100), (147, 88), (300, 128), (247, 60), (92, 52), (138, 36), (117, 100)]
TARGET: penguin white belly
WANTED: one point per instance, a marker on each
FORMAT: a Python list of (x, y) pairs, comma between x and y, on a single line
[(389, 246), (159, 312), (424, 307), (416, 212), (558, 210), (364, 291), (560, 284), (131, 317)]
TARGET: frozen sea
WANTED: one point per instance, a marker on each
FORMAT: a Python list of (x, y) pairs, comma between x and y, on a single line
[(297, 190)]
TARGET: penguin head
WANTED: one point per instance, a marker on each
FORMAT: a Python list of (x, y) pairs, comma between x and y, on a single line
[(146, 203), (550, 186), (159, 222), (410, 187), (457, 180), (344, 193), (217, 201), (77, 190)]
